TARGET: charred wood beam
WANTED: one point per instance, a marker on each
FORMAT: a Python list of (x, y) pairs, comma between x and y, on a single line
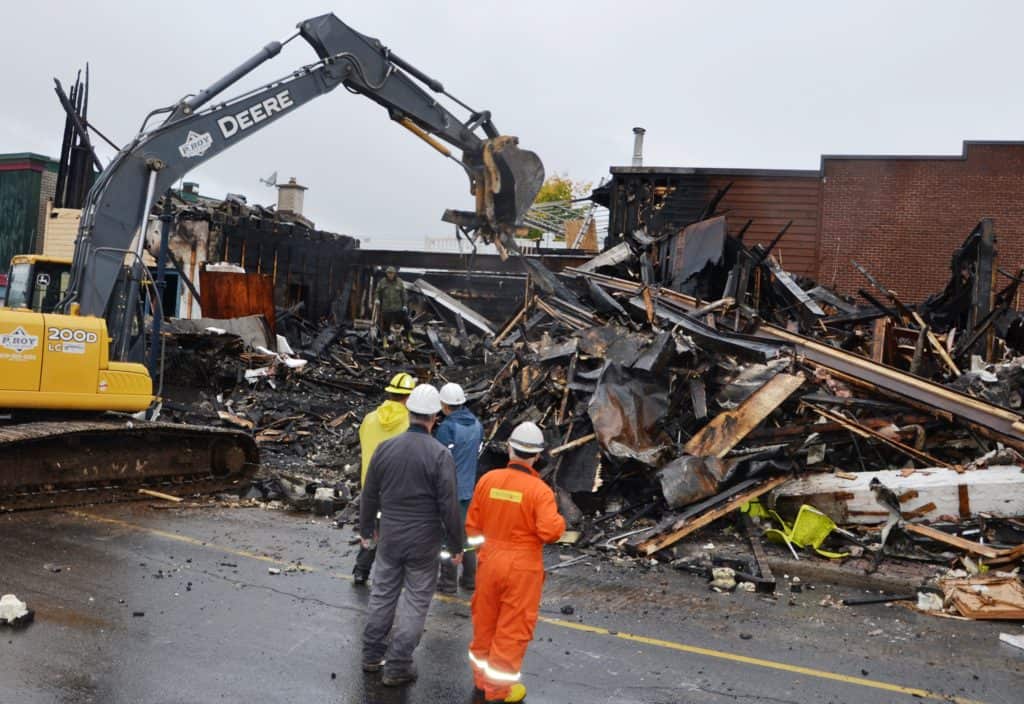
[(743, 230), (76, 120), (687, 527), (981, 295), (884, 309), (762, 253), (891, 295)]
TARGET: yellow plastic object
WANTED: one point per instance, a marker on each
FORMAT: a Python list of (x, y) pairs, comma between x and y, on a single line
[(809, 530), (755, 509)]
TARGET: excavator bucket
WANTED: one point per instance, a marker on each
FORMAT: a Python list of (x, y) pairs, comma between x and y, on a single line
[(512, 180)]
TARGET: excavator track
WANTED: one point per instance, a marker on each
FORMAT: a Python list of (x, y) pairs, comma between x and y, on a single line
[(51, 464)]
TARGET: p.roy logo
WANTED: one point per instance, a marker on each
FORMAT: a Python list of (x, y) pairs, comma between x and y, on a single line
[(195, 144), (17, 340)]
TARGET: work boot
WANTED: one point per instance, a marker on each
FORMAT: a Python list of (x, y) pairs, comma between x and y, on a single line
[(359, 577), (373, 665), (468, 581), (446, 584), (397, 678), (516, 693)]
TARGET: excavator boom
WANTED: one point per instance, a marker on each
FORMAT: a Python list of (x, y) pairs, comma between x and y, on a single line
[(503, 178), (58, 356)]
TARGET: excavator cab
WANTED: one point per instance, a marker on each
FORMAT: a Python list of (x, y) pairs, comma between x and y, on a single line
[(36, 283)]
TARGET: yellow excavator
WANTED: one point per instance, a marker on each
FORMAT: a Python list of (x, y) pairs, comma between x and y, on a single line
[(73, 336)]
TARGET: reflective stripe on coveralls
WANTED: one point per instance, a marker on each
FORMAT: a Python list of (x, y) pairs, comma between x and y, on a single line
[(515, 511), (491, 672)]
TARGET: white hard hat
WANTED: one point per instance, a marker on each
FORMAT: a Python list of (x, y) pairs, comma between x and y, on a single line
[(452, 394), (527, 438), (424, 400)]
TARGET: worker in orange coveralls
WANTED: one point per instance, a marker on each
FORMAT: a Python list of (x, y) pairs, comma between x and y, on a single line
[(510, 518)]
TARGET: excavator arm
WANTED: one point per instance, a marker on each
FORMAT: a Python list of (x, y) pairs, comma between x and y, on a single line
[(504, 179)]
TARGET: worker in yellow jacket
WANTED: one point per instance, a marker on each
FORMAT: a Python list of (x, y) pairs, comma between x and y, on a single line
[(383, 423)]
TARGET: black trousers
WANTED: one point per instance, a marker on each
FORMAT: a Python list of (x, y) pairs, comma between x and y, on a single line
[(389, 318)]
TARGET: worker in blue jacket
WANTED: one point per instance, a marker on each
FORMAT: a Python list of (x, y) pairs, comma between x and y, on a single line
[(462, 434)]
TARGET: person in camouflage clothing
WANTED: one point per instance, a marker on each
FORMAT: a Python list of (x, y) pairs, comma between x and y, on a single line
[(394, 302)]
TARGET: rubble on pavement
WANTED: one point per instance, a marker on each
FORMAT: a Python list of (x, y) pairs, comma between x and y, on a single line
[(673, 395), (14, 612)]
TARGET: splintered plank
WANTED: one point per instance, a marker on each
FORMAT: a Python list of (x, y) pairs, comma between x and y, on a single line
[(570, 445), (854, 427), (880, 339), (660, 542), (727, 429), (953, 541), (235, 420), (161, 495), (937, 346)]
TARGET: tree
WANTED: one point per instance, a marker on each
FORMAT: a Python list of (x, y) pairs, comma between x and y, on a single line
[(558, 188)]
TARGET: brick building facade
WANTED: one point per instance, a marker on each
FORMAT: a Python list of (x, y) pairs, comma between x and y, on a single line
[(902, 217), (899, 216), (27, 182)]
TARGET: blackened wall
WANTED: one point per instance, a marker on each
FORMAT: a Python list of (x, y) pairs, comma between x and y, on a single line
[(663, 201), (307, 266)]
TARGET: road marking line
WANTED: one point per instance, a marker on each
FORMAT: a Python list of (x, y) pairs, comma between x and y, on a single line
[(188, 540), (758, 662), (561, 623)]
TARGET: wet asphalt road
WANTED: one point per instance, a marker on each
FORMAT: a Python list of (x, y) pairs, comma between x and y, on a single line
[(178, 606)]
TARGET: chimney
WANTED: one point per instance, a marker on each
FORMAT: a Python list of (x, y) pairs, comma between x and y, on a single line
[(638, 146), (290, 196)]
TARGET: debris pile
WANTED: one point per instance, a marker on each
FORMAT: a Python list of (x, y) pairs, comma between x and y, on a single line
[(654, 403), (733, 389), (668, 411), (302, 395)]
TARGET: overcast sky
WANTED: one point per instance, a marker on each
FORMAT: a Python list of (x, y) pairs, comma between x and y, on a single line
[(740, 84)]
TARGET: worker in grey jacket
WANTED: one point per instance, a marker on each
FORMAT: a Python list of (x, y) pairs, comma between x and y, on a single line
[(411, 482)]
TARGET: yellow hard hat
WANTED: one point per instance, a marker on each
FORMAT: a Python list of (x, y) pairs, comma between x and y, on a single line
[(401, 383)]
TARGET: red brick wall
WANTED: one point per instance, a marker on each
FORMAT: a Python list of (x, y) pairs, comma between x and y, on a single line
[(901, 218)]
